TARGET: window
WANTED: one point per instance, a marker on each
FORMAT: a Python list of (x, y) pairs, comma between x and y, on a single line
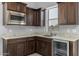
[(53, 16)]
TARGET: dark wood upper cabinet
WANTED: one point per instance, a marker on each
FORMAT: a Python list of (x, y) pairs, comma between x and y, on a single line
[(16, 6), (21, 7), (33, 17), (37, 17), (12, 6), (62, 14), (71, 10), (29, 16), (67, 13)]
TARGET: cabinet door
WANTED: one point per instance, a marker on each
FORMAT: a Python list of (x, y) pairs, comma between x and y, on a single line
[(39, 48), (43, 47), (16, 47), (29, 16), (12, 6), (47, 48), (30, 46), (34, 18), (21, 7), (71, 13), (20, 48), (12, 49), (62, 13), (37, 17)]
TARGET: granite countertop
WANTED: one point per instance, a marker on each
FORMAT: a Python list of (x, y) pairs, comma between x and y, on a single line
[(60, 37)]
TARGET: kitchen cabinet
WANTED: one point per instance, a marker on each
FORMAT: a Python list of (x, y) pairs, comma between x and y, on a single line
[(62, 14), (33, 17), (12, 6), (67, 13), (73, 48), (71, 13), (37, 17), (12, 49), (43, 46), (30, 46), (16, 47), (21, 7), (20, 47), (16, 6), (29, 16)]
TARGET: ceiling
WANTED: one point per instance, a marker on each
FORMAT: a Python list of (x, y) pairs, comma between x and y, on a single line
[(40, 4)]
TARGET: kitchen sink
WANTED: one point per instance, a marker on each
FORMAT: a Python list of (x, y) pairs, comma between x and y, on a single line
[(50, 35)]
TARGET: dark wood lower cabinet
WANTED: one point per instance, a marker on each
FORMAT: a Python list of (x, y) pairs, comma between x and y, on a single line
[(12, 49), (30, 46), (16, 47), (20, 49), (43, 46), (26, 46)]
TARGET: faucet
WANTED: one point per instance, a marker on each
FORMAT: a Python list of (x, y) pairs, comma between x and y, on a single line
[(50, 30)]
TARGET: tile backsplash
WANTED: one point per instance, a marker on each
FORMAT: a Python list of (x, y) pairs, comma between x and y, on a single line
[(72, 29), (21, 30)]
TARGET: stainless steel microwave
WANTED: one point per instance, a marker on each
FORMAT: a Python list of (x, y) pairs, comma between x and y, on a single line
[(16, 18)]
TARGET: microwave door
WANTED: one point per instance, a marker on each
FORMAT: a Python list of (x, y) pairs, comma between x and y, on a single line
[(16, 18)]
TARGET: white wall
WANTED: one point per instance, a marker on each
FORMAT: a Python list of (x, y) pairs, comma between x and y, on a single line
[(2, 28)]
